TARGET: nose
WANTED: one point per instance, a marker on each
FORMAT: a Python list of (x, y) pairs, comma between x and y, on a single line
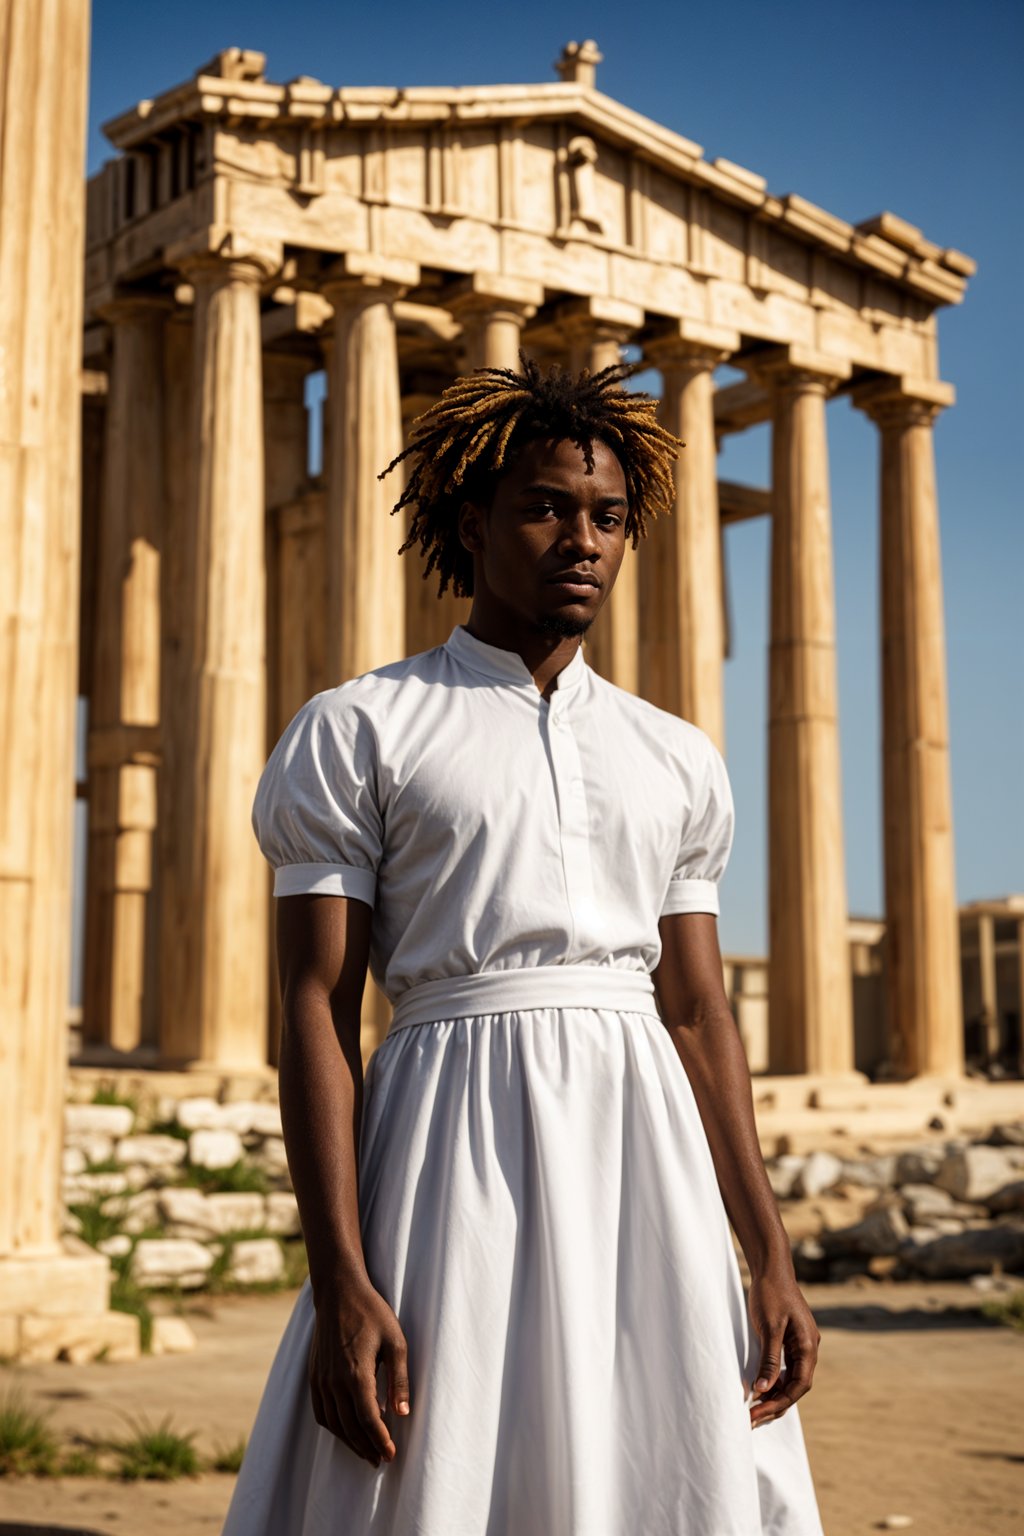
[(579, 538)]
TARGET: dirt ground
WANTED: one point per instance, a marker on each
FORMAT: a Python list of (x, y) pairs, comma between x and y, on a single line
[(915, 1411)]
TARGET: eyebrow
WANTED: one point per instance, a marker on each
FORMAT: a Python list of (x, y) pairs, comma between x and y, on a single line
[(558, 491)]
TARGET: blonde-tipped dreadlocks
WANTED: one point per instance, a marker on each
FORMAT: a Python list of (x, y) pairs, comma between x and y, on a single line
[(465, 441)]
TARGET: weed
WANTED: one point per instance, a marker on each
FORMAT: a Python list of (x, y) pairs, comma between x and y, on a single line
[(106, 1094), (80, 1461), (241, 1178), (97, 1223), (1008, 1310), (27, 1444), (127, 1296), (228, 1458), (156, 1452), (169, 1128)]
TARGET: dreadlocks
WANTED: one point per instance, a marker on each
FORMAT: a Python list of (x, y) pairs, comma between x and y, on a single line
[(464, 441)]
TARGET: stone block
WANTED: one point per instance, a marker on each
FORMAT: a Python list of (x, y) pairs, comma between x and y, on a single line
[(975, 1172), (172, 1336), (140, 1212), (94, 1147), (282, 1214), (116, 1247), (976, 1250), (1009, 1198), (73, 1160), (273, 1156), (200, 1114), (185, 1213), (55, 1285), (879, 1231), (921, 1202), (112, 1336), (166, 1261), (85, 1188), (872, 1172), (152, 1151), (256, 1261), (114, 1120), (214, 1149), (820, 1171), (919, 1165), (236, 1213)]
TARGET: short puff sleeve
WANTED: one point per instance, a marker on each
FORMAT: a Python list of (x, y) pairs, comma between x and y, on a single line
[(315, 814), (705, 841)]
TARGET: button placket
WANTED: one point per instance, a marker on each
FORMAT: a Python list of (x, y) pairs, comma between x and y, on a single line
[(574, 824)]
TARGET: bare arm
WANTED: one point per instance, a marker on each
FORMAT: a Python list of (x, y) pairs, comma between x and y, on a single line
[(699, 1020), (322, 947)]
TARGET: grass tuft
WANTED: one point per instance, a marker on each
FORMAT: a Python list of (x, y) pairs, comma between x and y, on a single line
[(156, 1452), (28, 1446), (242, 1178), (1008, 1310), (228, 1458), (80, 1461), (109, 1095), (97, 1223), (127, 1296)]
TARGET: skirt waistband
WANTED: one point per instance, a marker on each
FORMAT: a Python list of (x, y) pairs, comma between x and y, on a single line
[(542, 986)]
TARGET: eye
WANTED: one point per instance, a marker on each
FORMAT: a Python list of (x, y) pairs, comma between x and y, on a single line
[(608, 519)]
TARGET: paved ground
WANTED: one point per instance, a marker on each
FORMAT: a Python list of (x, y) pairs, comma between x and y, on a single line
[(916, 1410)]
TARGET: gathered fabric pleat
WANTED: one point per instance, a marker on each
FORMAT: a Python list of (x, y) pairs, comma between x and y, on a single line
[(540, 1207)]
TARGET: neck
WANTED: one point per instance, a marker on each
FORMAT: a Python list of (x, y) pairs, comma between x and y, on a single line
[(545, 654)]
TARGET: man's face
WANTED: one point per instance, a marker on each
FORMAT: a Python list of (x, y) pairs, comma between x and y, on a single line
[(549, 547)]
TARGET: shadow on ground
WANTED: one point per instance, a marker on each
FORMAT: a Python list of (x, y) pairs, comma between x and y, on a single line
[(880, 1319)]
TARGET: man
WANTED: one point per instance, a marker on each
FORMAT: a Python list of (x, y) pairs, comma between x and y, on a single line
[(524, 1314)]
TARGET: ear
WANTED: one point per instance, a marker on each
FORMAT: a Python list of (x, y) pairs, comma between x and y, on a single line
[(471, 525)]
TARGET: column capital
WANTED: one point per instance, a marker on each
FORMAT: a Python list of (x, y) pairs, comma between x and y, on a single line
[(797, 368), (691, 344), (358, 276), (222, 255), (487, 291), (125, 305), (902, 401)]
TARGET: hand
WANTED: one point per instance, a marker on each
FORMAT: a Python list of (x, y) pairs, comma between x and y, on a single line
[(354, 1329), (781, 1318)]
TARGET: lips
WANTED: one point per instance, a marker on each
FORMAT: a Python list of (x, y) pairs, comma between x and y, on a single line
[(581, 582)]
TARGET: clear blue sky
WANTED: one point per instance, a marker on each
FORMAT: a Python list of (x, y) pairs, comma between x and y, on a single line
[(903, 105)]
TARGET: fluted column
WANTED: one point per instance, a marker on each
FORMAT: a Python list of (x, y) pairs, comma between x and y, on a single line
[(682, 633), (365, 580), (593, 333), (924, 1000), (124, 693), (215, 999), (492, 311), (48, 1299), (810, 988), (429, 619)]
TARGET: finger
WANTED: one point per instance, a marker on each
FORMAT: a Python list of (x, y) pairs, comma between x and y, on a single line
[(396, 1358), (367, 1412), (771, 1361), (324, 1411), (357, 1437)]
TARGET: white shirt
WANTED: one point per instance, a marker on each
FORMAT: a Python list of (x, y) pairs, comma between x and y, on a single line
[(490, 829)]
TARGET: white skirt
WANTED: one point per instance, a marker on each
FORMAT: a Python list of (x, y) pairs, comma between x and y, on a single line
[(540, 1208)]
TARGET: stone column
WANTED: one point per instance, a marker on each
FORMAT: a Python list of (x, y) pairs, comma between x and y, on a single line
[(215, 973), (923, 978), (124, 693), (286, 457), (682, 634), (49, 1300), (594, 332), (429, 619), (492, 311), (365, 580), (810, 986)]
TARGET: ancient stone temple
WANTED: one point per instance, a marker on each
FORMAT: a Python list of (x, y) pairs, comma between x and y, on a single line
[(249, 235)]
